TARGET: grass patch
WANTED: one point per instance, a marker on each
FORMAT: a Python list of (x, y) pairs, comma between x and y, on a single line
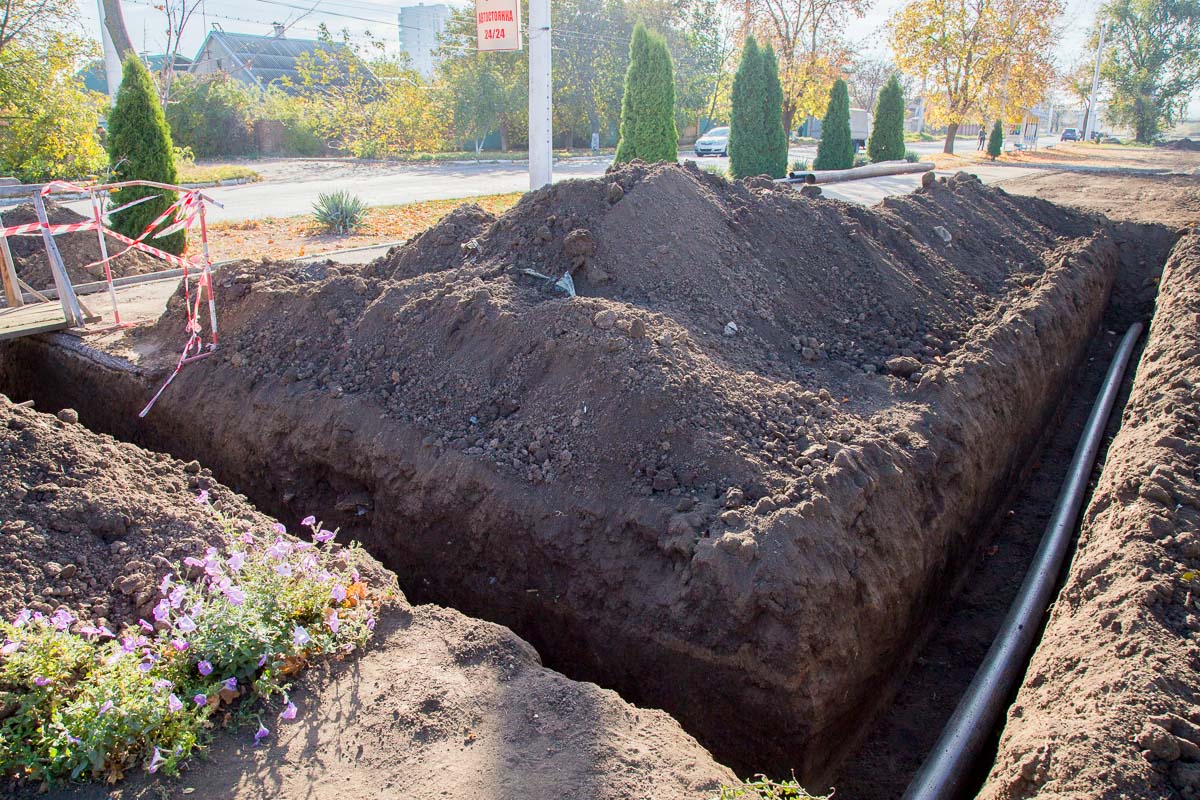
[(195, 173), (762, 788)]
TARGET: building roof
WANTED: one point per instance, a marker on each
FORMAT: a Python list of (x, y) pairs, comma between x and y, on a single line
[(266, 60)]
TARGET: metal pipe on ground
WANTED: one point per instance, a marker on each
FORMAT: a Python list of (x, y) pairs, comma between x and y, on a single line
[(858, 173), (945, 772)]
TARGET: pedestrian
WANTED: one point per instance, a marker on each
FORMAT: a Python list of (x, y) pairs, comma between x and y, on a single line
[(982, 136)]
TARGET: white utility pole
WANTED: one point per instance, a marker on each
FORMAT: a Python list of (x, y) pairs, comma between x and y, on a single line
[(112, 61), (1091, 112), (541, 165)]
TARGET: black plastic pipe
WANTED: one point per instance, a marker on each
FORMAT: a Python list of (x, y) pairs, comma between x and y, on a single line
[(950, 765)]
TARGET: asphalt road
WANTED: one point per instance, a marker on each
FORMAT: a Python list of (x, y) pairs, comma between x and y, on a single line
[(394, 185)]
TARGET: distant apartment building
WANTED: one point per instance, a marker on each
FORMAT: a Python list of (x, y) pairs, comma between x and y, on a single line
[(419, 29)]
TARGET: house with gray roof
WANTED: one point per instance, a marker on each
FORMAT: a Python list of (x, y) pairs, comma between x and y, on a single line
[(263, 61)]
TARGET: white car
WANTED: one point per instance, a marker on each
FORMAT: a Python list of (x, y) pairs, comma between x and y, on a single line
[(713, 143)]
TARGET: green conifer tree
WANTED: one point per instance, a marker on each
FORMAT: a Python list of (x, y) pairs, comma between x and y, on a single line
[(836, 148), (139, 148), (776, 136), (887, 133), (648, 106), (745, 129), (996, 141)]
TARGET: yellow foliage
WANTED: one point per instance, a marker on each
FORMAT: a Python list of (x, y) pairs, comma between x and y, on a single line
[(983, 58)]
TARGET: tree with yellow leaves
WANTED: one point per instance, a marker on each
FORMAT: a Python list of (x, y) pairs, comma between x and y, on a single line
[(983, 58)]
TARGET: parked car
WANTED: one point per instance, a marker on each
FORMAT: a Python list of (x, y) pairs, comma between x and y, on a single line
[(713, 143), (1070, 135)]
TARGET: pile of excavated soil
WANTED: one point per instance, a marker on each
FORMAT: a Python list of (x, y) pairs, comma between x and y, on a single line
[(78, 250), (1110, 705), (728, 478), (438, 706), (1185, 144), (1163, 199)]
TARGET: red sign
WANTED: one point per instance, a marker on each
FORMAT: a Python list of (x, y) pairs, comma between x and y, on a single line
[(498, 24)]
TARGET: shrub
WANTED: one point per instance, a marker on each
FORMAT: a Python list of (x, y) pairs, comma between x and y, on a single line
[(887, 134), (836, 148), (861, 161), (211, 115), (800, 165), (140, 148), (911, 157), (91, 703), (757, 140), (339, 212), (995, 144), (648, 105)]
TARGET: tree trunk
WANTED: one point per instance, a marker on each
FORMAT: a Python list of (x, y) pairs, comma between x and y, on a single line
[(115, 22), (789, 116), (504, 135), (951, 132)]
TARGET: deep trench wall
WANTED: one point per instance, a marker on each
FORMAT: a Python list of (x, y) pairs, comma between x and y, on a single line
[(1110, 703), (770, 650)]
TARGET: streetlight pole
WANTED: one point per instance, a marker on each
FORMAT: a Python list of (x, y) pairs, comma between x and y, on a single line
[(541, 133), (1090, 122)]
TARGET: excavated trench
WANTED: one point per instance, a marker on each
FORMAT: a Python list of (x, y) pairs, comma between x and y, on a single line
[(777, 652)]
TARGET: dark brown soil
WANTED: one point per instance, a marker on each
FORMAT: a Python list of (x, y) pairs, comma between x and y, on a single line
[(745, 529), (1110, 705), (78, 250), (439, 706), (1184, 144)]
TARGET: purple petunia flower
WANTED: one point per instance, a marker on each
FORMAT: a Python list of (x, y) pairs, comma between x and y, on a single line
[(202, 498), (176, 596), (289, 713), (284, 569), (74, 739), (62, 619), (262, 660), (174, 703), (147, 665), (146, 626), (186, 624), (204, 668), (300, 636), (162, 684), (230, 684), (370, 623), (338, 592), (333, 622), (200, 699), (40, 681), (162, 611), (261, 733), (105, 707), (155, 762), (235, 595), (279, 549), (324, 536), (248, 538), (22, 618), (10, 647), (309, 521), (236, 560), (180, 645), (164, 586), (278, 528)]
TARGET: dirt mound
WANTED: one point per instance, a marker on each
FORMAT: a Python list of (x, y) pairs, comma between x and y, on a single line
[(726, 478), (441, 247), (438, 706), (78, 250), (1110, 705), (1185, 144)]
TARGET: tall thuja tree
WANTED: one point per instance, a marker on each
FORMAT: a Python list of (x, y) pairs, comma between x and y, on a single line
[(887, 135), (648, 107), (757, 141), (139, 148), (836, 148), (995, 144)]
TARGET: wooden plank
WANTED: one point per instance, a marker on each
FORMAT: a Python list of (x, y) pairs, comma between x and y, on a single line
[(31, 319), (8, 271), (71, 310)]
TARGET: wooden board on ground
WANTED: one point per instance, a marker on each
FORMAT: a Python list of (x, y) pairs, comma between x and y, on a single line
[(30, 319)]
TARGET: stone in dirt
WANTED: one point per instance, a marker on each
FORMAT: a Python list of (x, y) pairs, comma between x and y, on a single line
[(446, 388), (1110, 705), (437, 706)]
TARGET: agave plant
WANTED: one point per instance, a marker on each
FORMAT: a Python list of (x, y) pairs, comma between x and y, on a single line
[(339, 212)]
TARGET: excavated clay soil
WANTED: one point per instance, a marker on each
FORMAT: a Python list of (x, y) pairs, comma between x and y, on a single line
[(728, 479), (439, 705), (1110, 705)]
